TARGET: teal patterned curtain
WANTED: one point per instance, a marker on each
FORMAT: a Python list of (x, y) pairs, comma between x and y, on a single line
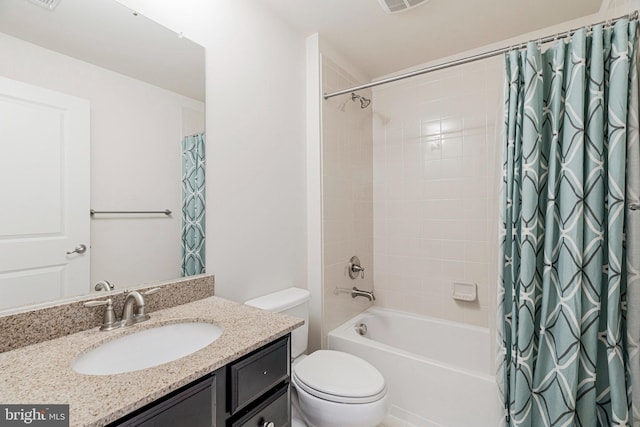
[(193, 205), (568, 350)]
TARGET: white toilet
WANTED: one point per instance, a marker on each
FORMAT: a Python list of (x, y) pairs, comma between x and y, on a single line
[(332, 388)]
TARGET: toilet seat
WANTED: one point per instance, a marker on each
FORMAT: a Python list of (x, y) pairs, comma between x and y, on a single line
[(339, 377)]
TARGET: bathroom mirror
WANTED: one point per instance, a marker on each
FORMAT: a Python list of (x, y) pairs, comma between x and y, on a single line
[(143, 89)]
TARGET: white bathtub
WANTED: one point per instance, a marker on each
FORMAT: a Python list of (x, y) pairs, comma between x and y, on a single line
[(438, 372)]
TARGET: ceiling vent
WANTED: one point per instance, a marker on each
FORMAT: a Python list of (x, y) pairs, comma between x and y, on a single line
[(394, 6), (47, 4)]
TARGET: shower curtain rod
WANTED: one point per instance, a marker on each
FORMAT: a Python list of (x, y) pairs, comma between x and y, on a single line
[(473, 58)]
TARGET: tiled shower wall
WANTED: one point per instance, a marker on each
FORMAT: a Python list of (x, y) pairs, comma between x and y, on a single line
[(347, 196), (436, 176), (434, 205)]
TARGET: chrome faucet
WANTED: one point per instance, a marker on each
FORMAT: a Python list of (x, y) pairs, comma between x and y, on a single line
[(355, 292), (129, 317)]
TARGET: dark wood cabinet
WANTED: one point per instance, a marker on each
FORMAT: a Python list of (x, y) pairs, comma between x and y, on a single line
[(272, 411), (256, 374), (253, 391), (191, 406), (257, 388)]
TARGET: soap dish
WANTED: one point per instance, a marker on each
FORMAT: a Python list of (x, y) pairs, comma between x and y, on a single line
[(462, 291)]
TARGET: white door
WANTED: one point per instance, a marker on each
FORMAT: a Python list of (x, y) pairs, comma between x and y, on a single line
[(44, 194)]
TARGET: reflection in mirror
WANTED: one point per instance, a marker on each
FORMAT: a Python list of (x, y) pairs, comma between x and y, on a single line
[(101, 109)]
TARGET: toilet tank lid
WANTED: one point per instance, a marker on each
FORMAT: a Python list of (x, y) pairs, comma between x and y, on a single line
[(281, 300)]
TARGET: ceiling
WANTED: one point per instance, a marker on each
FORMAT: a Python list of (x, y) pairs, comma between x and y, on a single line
[(107, 34), (379, 43)]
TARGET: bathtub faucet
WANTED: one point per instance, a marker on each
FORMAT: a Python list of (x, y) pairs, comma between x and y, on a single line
[(355, 292)]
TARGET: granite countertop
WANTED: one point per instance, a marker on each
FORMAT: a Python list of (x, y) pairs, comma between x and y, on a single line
[(41, 373)]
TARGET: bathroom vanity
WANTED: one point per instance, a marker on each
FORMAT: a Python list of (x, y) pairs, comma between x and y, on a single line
[(251, 391), (239, 380)]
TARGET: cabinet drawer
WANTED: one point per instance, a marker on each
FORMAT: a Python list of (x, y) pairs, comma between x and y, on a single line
[(193, 406), (259, 372), (276, 409)]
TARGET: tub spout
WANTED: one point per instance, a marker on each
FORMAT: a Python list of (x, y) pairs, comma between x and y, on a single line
[(355, 292)]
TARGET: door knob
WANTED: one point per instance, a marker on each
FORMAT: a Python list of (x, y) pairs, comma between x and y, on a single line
[(80, 249)]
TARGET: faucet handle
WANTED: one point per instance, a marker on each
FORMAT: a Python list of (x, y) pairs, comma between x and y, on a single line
[(151, 291), (110, 321), (98, 303), (355, 268)]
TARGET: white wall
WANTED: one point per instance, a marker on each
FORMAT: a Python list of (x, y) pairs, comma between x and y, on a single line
[(136, 129), (193, 120), (314, 189), (256, 199)]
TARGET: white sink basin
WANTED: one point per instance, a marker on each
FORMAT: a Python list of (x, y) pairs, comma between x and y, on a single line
[(147, 348)]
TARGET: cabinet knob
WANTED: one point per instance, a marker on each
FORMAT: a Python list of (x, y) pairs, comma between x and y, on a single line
[(268, 424)]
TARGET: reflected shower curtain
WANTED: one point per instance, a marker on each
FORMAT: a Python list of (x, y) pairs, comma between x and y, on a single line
[(193, 204), (569, 352)]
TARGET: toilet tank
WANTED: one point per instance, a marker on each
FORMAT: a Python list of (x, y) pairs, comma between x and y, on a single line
[(294, 302)]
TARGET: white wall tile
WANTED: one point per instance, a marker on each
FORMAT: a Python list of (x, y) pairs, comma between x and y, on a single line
[(348, 194), (452, 145), (451, 167), (437, 226)]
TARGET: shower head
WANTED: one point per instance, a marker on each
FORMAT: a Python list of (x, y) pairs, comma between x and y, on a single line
[(364, 102)]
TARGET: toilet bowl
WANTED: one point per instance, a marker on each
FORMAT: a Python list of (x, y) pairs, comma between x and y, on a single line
[(338, 389), (331, 388)]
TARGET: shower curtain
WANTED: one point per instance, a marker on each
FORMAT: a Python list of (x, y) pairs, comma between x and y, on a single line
[(193, 204), (568, 341)]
